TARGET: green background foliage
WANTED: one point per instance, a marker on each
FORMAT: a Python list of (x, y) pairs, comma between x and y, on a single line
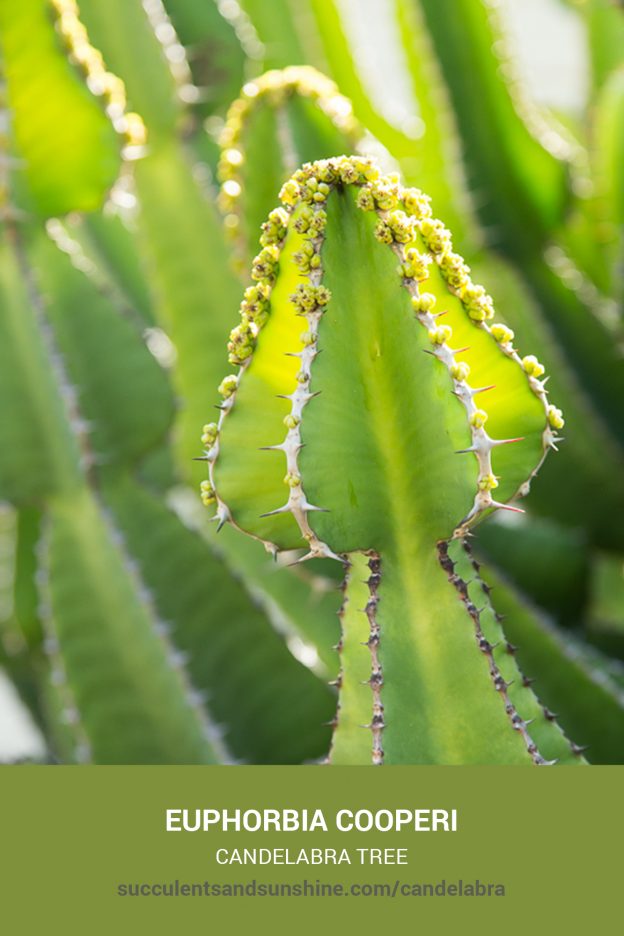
[(129, 630)]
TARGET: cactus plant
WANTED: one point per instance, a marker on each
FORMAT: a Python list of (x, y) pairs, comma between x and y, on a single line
[(83, 401), (368, 437), (548, 303), (114, 320)]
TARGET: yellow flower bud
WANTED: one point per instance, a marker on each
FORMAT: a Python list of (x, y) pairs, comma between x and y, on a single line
[(478, 419), (460, 370), (487, 483), (555, 417), (441, 334), (423, 303), (501, 333), (532, 366), (228, 386)]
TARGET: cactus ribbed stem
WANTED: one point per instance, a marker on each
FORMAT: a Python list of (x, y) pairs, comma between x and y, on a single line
[(373, 432), (293, 114)]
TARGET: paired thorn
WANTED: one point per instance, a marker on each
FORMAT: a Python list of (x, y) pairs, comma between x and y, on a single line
[(273, 513), (300, 561), (221, 517), (320, 552), (289, 396), (497, 505), (496, 442)]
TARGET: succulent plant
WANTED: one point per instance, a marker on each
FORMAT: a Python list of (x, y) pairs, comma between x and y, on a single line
[(131, 207), (390, 456), (83, 400)]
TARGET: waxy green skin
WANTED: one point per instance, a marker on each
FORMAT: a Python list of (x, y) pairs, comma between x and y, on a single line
[(110, 676), (89, 405), (374, 434), (122, 661), (279, 120)]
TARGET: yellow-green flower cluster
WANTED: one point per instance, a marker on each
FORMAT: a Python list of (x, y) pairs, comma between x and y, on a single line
[(264, 267), (209, 435), (416, 203), (313, 191), (460, 370), (101, 82), (478, 419), (274, 228), (396, 228), (425, 302), (228, 386), (380, 195), (416, 265), (309, 298), (242, 342), (207, 493), (477, 302), (488, 482), (532, 366), (555, 417), (501, 333), (441, 334), (435, 235), (310, 221), (273, 88), (307, 259), (255, 305), (455, 271)]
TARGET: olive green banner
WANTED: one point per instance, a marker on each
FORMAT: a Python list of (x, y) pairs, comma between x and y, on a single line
[(188, 849)]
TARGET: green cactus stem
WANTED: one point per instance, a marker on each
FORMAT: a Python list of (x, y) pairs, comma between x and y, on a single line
[(39, 62), (222, 40), (376, 447), (280, 120), (571, 678), (518, 214), (103, 645), (360, 669)]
